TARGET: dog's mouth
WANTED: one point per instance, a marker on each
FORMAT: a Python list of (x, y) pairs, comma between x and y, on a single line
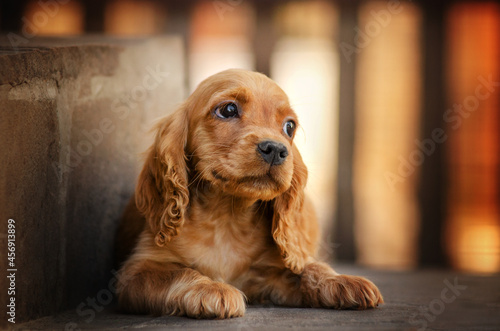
[(264, 186), (266, 178)]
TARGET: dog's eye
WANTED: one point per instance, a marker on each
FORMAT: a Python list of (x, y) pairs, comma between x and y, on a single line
[(289, 128), (228, 110)]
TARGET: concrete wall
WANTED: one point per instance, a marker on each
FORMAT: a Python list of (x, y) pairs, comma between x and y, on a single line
[(74, 118)]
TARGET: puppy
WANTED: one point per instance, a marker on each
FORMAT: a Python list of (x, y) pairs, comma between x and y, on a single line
[(220, 217)]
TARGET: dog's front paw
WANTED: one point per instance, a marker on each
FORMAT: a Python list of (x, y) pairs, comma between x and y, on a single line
[(214, 300), (351, 292), (323, 288)]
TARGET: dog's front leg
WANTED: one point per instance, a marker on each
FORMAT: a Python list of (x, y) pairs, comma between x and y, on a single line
[(317, 286), (172, 289)]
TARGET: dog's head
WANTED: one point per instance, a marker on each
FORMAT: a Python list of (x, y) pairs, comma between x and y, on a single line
[(240, 137), (235, 132)]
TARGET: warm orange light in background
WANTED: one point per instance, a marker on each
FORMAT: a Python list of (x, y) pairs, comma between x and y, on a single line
[(53, 18), (317, 19), (305, 63), (387, 124), (221, 38), (473, 224), (134, 17)]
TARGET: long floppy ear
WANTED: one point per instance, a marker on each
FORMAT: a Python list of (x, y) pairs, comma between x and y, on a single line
[(289, 231), (162, 192)]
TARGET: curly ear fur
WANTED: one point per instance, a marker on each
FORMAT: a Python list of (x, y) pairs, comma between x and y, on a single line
[(290, 228), (161, 194)]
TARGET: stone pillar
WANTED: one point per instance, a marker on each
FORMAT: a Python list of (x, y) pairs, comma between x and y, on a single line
[(74, 120)]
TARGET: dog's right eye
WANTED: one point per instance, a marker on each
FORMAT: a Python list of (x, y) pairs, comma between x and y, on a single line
[(228, 110)]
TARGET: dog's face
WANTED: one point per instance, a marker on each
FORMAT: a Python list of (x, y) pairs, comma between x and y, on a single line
[(241, 131)]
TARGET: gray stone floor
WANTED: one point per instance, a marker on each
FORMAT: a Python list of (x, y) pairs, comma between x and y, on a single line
[(418, 300)]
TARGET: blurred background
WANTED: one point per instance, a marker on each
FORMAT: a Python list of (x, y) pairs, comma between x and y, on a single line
[(399, 104)]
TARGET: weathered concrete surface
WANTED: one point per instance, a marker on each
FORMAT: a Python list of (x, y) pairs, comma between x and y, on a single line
[(420, 300), (74, 118)]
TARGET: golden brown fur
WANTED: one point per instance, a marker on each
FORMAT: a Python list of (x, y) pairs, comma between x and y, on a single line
[(225, 218)]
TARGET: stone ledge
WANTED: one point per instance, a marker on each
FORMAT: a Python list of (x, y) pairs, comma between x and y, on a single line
[(74, 120)]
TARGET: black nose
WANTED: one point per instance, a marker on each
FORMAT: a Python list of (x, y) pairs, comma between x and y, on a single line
[(272, 152)]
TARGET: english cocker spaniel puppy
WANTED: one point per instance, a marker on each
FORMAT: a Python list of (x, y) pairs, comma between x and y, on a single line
[(220, 217)]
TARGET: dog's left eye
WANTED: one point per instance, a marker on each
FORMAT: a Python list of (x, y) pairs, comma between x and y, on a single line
[(289, 128), (228, 110)]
